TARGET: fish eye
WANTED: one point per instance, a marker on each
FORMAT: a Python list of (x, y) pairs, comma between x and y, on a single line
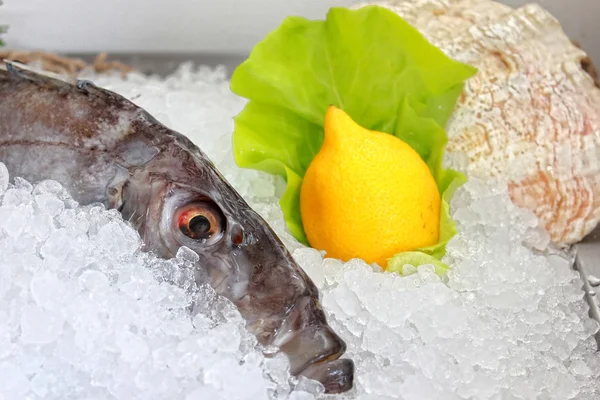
[(200, 221)]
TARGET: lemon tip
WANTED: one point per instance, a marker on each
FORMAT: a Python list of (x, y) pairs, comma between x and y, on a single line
[(337, 119)]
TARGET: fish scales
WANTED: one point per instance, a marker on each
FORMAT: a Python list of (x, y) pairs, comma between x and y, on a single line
[(104, 149)]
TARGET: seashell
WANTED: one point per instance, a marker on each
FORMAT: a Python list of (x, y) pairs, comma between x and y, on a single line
[(530, 116)]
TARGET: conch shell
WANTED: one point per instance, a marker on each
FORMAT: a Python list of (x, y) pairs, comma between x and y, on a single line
[(532, 113)]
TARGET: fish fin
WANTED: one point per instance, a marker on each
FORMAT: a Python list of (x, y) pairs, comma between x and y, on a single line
[(107, 96), (116, 185), (50, 79), (19, 70)]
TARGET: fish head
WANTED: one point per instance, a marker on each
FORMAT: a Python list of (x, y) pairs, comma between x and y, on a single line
[(237, 250), (191, 204)]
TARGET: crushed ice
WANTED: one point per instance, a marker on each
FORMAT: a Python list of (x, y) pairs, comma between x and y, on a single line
[(85, 314)]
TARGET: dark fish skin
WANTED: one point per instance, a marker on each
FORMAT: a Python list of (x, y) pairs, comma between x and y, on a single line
[(103, 148)]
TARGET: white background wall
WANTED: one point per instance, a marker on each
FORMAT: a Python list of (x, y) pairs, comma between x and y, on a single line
[(201, 25), (153, 25)]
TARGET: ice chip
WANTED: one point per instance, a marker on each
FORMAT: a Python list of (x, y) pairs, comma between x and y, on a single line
[(278, 368), (300, 395), (251, 386), (57, 247), (13, 383), (49, 204), (40, 384), (40, 326), (311, 261), (47, 290), (23, 185), (134, 349), (118, 239), (186, 254), (309, 386), (41, 226), (4, 177), (14, 219), (348, 301), (50, 187), (205, 393), (408, 269), (94, 281)]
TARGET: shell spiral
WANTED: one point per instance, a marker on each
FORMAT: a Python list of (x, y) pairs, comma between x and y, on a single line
[(530, 116)]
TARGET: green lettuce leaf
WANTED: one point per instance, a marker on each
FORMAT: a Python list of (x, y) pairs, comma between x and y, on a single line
[(369, 62), (429, 140), (415, 258)]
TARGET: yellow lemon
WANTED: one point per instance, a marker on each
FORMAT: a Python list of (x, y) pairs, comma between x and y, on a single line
[(367, 194)]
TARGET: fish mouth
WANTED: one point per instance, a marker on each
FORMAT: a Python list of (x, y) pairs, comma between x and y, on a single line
[(313, 348), (336, 376)]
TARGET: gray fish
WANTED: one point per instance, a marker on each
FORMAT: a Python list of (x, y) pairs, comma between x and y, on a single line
[(103, 148)]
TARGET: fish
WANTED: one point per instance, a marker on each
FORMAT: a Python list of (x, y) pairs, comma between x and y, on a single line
[(105, 149), (531, 114)]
